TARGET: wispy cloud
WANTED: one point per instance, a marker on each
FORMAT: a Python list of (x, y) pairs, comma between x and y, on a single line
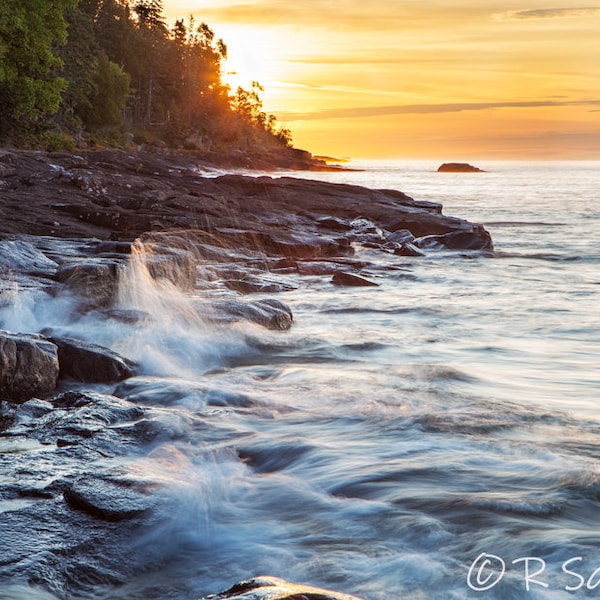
[(422, 109), (548, 13)]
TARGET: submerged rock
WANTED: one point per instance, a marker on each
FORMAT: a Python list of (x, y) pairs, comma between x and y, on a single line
[(88, 362), (349, 280), (28, 366), (273, 588)]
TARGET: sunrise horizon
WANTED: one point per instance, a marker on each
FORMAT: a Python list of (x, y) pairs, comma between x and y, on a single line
[(495, 80)]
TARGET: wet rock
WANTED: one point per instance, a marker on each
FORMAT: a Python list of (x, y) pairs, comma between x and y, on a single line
[(273, 588), (270, 313), (173, 265), (351, 280), (86, 418), (333, 224), (475, 239), (454, 167), (31, 410), (408, 249), (22, 256), (248, 284), (156, 391), (94, 280), (400, 236), (108, 499), (299, 245), (88, 362), (129, 316), (7, 171), (28, 366)]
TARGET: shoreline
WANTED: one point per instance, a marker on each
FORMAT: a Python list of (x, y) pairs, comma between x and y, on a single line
[(76, 227)]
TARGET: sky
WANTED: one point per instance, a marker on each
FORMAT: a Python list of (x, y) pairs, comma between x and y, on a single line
[(447, 79)]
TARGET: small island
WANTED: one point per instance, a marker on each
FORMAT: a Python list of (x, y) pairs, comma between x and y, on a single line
[(455, 167)]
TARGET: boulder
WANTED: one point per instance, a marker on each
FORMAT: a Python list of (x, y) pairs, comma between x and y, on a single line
[(454, 167), (270, 313), (400, 236), (28, 366), (273, 588), (107, 499), (350, 280), (477, 238), (94, 280), (87, 362)]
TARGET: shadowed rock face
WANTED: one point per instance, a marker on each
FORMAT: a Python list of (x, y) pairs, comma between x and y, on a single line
[(272, 588), (89, 362), (28, 366)]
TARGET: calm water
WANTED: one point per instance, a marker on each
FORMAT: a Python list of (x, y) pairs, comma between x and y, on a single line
[(405, 441)]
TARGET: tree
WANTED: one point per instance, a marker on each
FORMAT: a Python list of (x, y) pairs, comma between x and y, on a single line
[(111, 88), (29, 86)]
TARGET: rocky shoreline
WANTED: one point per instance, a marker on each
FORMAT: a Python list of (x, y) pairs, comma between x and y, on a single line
[(74, 226)]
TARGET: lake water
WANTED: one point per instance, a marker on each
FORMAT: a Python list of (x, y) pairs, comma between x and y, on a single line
[(435, 437)]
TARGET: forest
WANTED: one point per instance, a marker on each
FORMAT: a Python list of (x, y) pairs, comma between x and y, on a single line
[(77, 72)]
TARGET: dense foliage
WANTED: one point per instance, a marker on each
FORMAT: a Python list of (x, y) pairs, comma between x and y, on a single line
[(105, 67)]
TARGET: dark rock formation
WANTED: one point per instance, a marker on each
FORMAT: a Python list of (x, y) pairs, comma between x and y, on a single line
[(159, 193), (408, 249), (87, 362), (273, 588), (478, 239), (96, 280), (107, 499), (28, 366), (350, 280), (458, 168), (270, 313)]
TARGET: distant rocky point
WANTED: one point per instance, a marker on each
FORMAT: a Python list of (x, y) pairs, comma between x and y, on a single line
[(454, 167)]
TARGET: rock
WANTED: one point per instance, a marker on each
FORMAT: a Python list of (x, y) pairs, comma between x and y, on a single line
[(349, 280), (400, 236), (270, 313), (458, 168), (476, 239), (408, 249), (87, 362), (95, 280), (7, 171), (107, 499), (174, 265), (333, 224), (31, 410), (273, 588), (22, 256), (28, 366)]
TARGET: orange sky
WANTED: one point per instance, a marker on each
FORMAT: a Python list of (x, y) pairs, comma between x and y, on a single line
[(445, 79)]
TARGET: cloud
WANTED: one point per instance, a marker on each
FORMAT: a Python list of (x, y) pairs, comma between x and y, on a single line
[(421, 109), (548, 13)]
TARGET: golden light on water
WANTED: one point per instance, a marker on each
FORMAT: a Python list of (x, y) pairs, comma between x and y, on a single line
[(415, 79)]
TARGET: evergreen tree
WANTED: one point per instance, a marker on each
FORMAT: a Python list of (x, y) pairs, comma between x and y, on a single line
[(29, 87)]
